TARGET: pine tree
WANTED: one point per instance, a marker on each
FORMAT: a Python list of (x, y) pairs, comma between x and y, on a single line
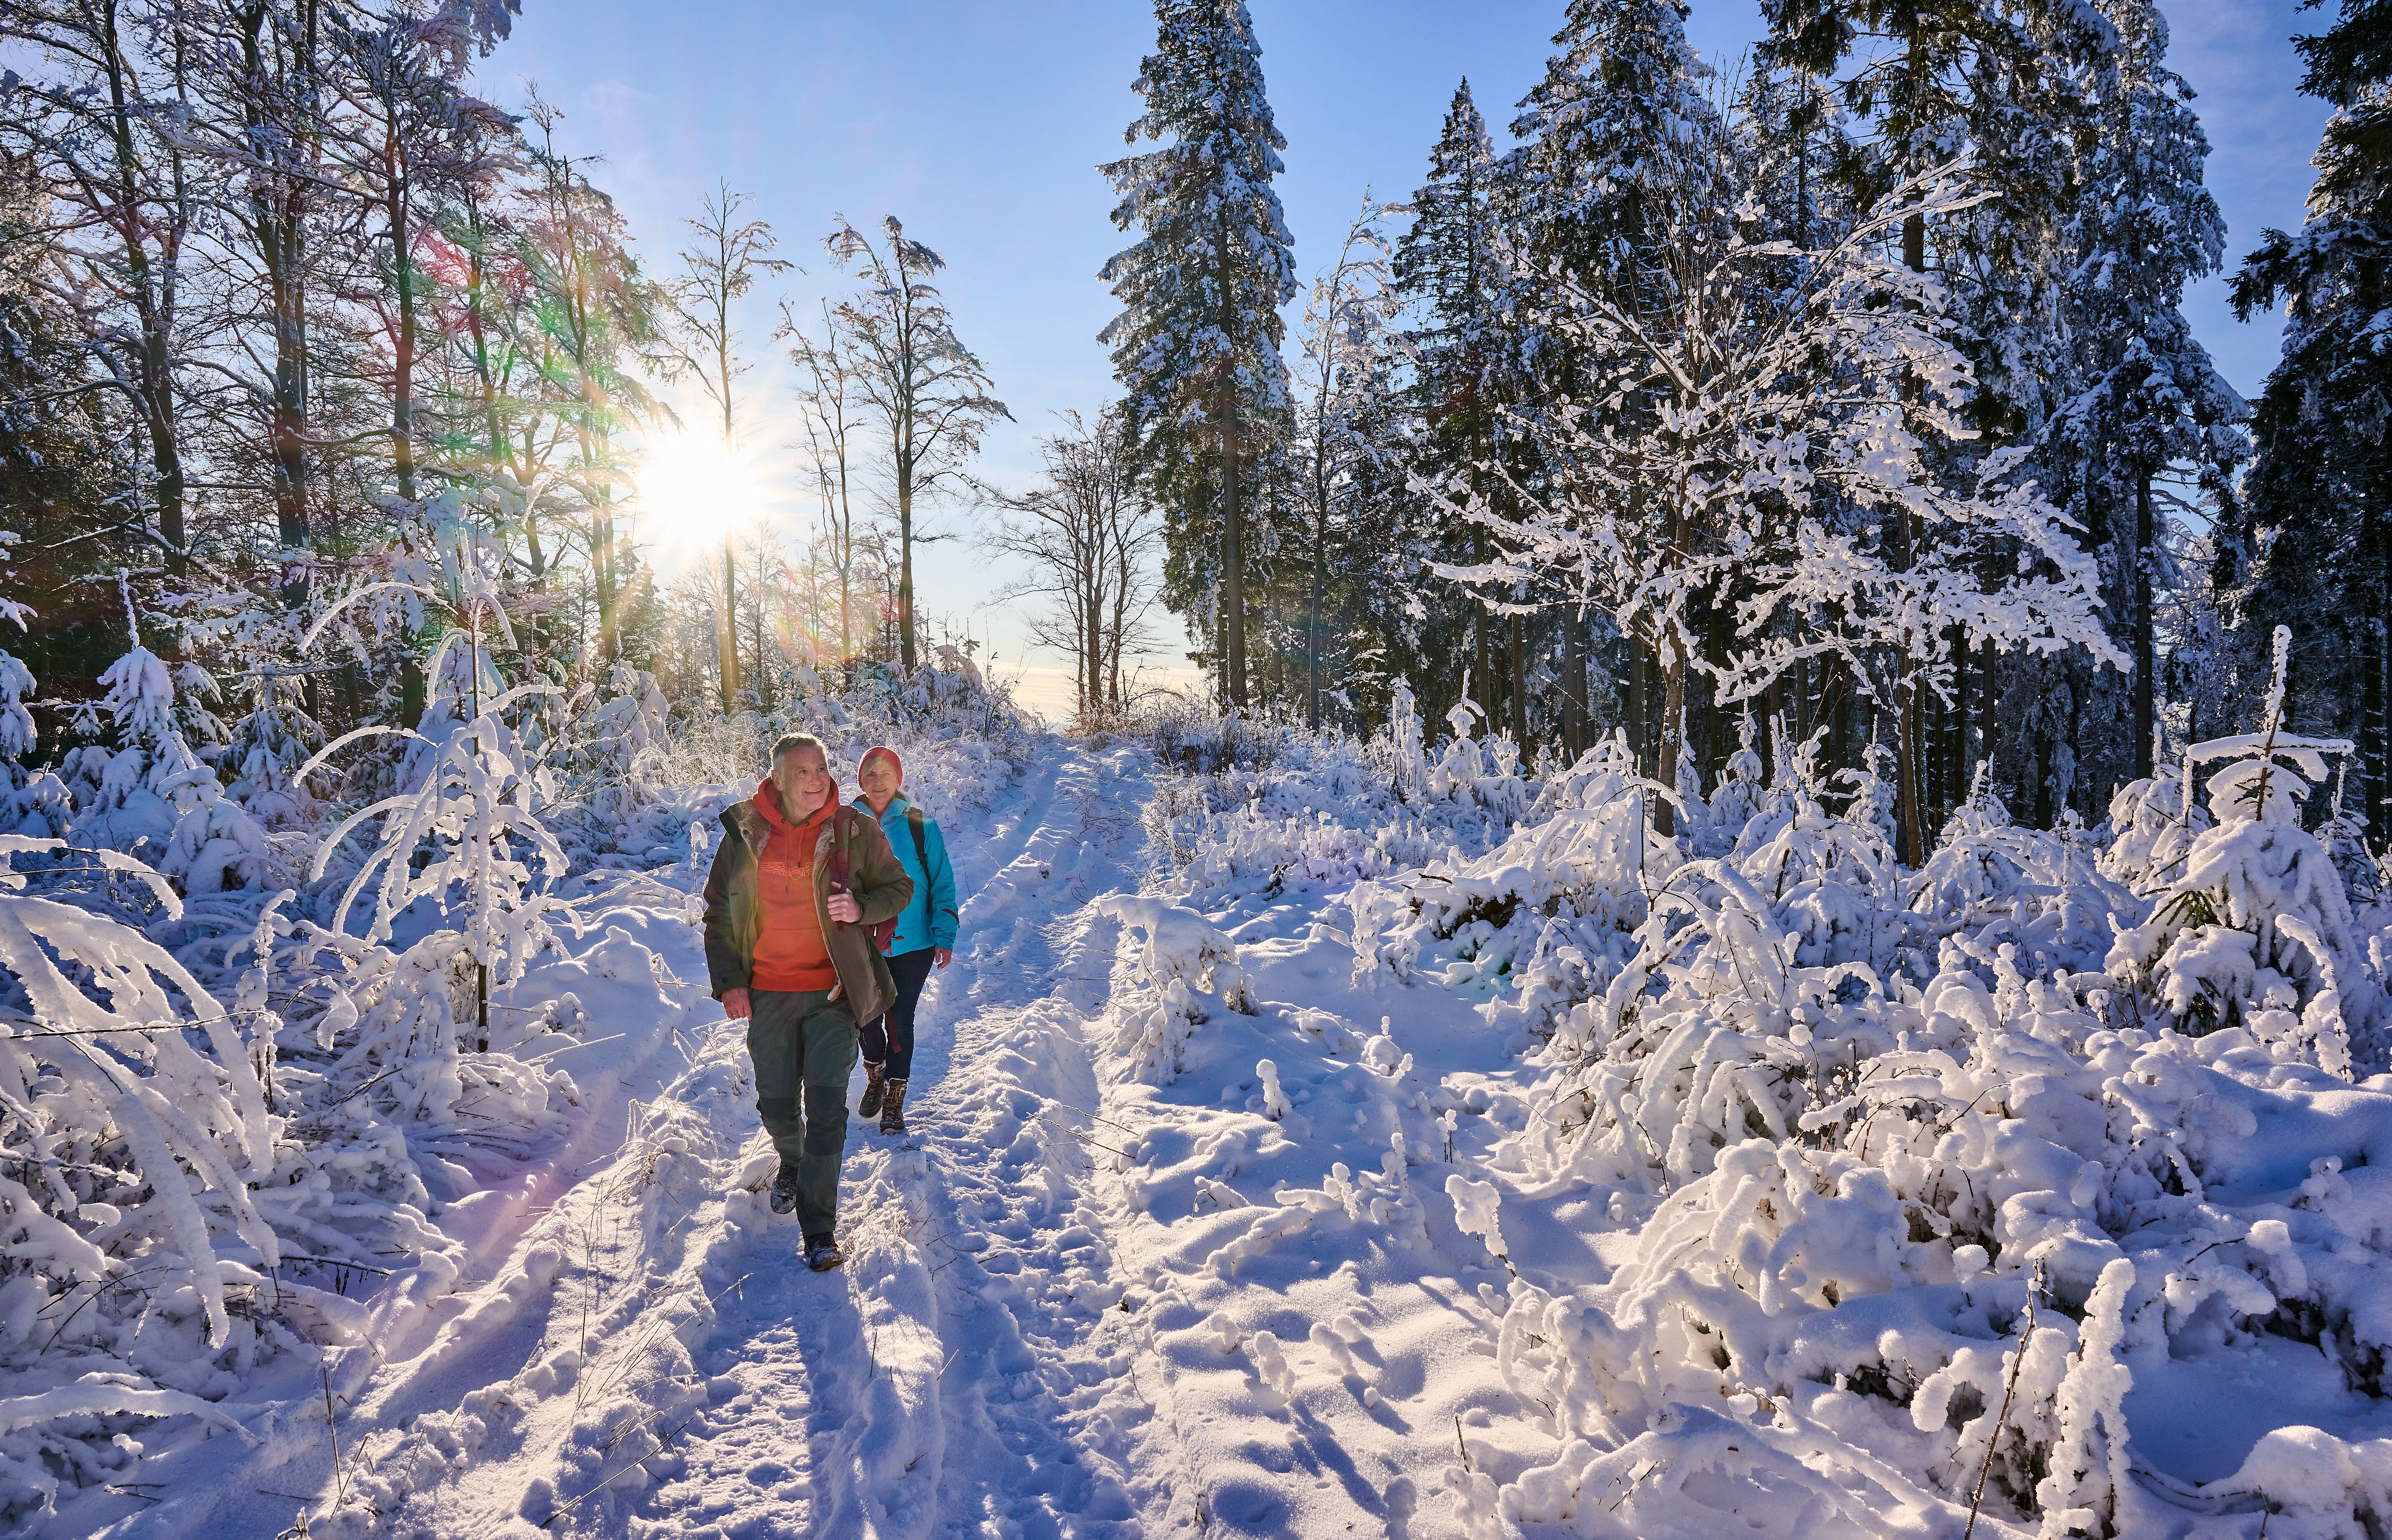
[(2150, 400), (1994, 86), (1446, 271), (2319, 483), (1603, 170), (1196, 348), (1594, 173)]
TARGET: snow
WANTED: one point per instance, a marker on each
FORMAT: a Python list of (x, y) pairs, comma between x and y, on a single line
[(1388, 1143)]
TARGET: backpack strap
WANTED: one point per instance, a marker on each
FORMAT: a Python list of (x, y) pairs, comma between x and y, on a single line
[(921, 842)]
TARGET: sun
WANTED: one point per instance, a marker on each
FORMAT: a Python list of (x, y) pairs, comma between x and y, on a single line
[(693, 490)]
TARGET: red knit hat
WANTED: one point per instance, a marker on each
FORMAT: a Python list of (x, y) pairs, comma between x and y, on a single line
[(882, 751)]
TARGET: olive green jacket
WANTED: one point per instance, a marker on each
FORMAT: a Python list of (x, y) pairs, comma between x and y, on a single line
[(877, 879)]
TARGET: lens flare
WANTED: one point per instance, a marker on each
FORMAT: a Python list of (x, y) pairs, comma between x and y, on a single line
[(694, 489)]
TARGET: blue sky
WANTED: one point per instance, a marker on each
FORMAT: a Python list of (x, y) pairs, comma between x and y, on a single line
[(980, 125)]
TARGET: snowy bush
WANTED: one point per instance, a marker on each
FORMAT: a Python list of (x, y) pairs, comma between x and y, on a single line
[(1180, 959), (1911, 1173)]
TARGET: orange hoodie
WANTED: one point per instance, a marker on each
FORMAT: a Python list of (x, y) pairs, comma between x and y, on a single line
[(790, 949)]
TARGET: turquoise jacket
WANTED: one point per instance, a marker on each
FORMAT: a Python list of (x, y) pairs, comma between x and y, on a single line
[(931, 919)]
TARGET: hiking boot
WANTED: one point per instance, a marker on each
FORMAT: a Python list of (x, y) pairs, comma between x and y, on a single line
[(872, 1088), (892, 1108), (784, 1189), (823, 1253)]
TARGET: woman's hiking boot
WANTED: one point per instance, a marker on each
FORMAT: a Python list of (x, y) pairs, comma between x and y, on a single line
[(784, 1189), (823, 1253), (892, 1107), (873, 1091)]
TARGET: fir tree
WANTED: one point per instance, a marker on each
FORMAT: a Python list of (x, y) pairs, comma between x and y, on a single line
[(1448, 275), (2318, 486), (2150, 400), (1615, 155), (1196, 348)]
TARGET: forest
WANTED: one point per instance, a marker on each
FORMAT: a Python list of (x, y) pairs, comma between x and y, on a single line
[(1769, 914), (1845, 387)]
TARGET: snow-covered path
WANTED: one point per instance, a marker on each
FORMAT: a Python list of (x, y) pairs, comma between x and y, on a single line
[(883, 1400), (643, 1353)]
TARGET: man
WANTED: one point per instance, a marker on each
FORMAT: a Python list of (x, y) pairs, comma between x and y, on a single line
[(799, 883)]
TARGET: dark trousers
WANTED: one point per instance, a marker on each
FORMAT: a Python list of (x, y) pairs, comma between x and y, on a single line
[(804, 1041), (890, 1038)]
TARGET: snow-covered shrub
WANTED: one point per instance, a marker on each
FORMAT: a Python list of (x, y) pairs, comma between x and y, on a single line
[(1181, 959), (268, 746), (174, 1219), (467, 839), (1903, 1180), (151, 795), (2255, 926)]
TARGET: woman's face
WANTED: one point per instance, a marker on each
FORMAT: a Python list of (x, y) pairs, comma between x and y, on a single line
[(878, 779)]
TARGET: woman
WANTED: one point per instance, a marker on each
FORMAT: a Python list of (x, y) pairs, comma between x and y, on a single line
[(925, 935)]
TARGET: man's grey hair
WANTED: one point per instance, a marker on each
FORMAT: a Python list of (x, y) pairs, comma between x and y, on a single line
[(791, 742)]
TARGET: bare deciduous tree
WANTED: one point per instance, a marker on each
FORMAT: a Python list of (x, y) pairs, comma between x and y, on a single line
[(719, 268), (931, 392), (827, 389), (1091, 536)]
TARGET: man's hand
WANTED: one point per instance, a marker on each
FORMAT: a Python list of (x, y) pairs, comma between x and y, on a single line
[(734, 1004), (944, 956), (844, 909)]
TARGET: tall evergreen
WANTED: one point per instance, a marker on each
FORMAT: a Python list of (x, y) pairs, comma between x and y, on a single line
[(1997, 83), (1446, 272), (1600, 178), (2150, 410), (1196, 348), (2317, 491)]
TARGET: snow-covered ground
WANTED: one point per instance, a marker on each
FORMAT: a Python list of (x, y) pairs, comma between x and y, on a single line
[(1282, 1164)]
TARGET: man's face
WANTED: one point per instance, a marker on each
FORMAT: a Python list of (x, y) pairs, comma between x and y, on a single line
[(803, 777)]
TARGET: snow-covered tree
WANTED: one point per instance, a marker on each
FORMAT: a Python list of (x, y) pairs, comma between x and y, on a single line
[(2000, 89), (151, 795), (1447, 268), (465, 830), (2151, 409), (1196, 346), (2314, 502), (1344, 378), (930, 393), (1620, 145), (2257, 930), (31, 804), (1706, 459)]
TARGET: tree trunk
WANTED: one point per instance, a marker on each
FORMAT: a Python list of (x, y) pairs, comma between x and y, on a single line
[(1673, 730), (1574, 711), (2146, 651), (1642, 710), (153, 300), (1908, 822), (727, 637), (1520, 682), (2373, 749), (1312, 642), (1956, 737), (402, 267), (905, 642)]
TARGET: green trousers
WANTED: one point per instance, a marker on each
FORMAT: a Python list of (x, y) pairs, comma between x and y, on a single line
[(803, 1041)]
